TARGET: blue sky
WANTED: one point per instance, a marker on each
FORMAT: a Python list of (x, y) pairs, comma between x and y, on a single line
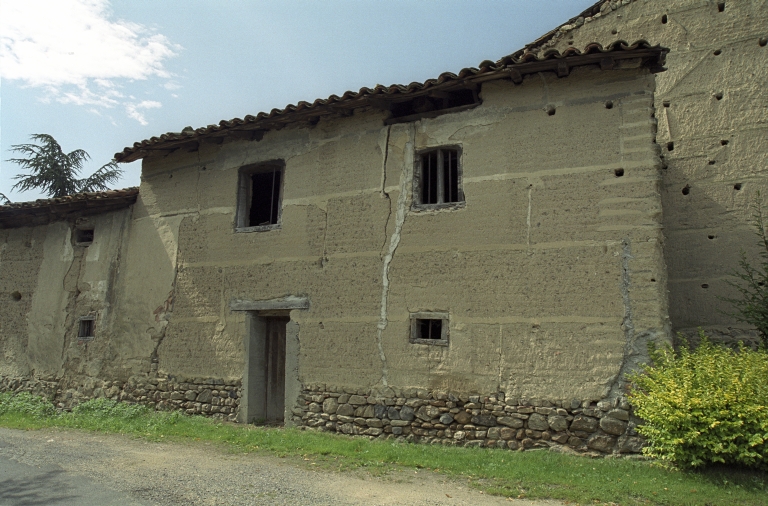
[(100, 75)]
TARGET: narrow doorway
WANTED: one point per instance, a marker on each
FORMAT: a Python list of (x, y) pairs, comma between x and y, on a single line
[(274, 358), (265, 370)]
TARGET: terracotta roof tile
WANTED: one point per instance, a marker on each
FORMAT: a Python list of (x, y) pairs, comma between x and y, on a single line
[(19, 214), (523, 62)]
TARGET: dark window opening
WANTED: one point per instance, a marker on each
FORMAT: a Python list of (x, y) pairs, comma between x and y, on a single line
[(430, 329), (259, 197), (84, 236), (432, 105), (439, 179), (265, 198), (85, 329)]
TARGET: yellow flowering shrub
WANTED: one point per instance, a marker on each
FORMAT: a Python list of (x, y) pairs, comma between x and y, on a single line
[(705, 405)]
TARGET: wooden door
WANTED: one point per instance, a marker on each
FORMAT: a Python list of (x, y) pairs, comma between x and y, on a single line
[(274, 398)]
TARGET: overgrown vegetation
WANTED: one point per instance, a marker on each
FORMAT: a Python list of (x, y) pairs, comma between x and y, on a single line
[(531, 474), (752, 306), (703, 406)]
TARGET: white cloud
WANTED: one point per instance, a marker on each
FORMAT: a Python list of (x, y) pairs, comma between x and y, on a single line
[(74, 52), (134, 112)]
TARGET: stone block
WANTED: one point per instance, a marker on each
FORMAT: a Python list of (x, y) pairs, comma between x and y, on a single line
[(509, 421), (345, 410), (330, 405), (507, 433), (613, 426), (601, 443), (557, 423), (462, 417), (630, 444), (357, 400), (407, 413), (484, 420), (619, 414), (538, 422), (584, 423)]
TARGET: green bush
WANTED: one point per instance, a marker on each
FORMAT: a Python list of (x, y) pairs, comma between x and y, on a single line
[(26, 403), (705, 405)]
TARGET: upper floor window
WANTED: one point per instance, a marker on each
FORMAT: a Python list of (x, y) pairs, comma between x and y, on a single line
[(259, 196), (437, 181)]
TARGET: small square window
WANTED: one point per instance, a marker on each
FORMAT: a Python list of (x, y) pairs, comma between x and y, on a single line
[(85, 331), (429, 328), (437, 179), (259, 200), (84, 236)]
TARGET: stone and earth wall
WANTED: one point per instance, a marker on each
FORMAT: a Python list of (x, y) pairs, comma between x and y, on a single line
[(212, 397), (553, 274), (713, 129), (488, 421)]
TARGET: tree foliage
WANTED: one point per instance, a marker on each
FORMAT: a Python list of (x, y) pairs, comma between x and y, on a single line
[(752, 280), (55, 173)]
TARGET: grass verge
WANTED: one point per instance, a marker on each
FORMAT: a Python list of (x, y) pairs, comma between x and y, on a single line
[(530, 474)]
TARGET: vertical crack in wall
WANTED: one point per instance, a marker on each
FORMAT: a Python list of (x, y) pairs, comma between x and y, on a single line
[(73, 272), (384, 193), (394, 241), (384, 165), (619, 382)]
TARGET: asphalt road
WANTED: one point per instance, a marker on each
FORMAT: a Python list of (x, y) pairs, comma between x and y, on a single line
[(50, 484)]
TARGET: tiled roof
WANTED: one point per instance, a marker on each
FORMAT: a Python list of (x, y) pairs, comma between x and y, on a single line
[(514, 66), (38, 212), (595, 11)]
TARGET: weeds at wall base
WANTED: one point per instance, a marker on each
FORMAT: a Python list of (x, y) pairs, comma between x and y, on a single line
[(528, 474)]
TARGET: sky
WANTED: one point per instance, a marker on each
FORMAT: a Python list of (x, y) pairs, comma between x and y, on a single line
[(100, 75)]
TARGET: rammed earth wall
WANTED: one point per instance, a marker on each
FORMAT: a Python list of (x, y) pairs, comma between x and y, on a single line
[(490, 421)]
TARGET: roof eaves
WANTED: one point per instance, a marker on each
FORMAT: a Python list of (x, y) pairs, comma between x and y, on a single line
[(41, 211), (511, 66)]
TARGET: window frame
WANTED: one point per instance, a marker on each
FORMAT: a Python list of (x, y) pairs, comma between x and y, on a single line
[(92, 328), (418, 176), (245, 197), (416, 318)]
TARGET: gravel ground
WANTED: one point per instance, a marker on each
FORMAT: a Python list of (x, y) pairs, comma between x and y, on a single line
[(202, 473)]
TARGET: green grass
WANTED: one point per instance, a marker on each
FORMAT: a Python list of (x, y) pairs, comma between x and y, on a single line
[(530, 474)]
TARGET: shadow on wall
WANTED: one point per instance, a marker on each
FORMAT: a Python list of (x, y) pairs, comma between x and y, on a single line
[(701, 251)]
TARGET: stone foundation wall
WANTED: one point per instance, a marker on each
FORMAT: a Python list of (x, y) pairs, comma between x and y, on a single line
[(213, 397), (492, 421)]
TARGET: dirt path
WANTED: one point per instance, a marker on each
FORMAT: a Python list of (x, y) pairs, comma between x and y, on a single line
[(200, 473)]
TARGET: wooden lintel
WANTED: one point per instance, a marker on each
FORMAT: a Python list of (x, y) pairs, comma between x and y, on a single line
[(607, 63), (246, 135), (384, 105), (341, 111), (439, 94), (562, 69), (289, 302)]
